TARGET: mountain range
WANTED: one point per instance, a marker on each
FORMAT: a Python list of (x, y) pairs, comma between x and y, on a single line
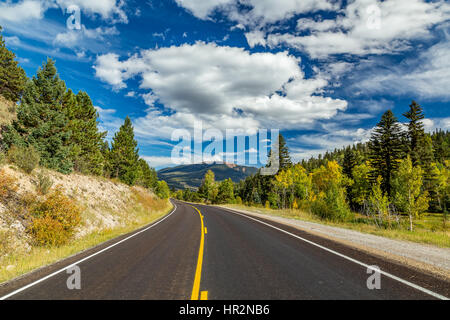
[(191, 176)]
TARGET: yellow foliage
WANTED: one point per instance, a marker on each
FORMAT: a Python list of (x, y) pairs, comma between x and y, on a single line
[(54, 219), (8, 185)]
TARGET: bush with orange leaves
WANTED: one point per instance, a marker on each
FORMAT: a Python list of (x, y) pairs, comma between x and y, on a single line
[(54, 220), (8, 185)]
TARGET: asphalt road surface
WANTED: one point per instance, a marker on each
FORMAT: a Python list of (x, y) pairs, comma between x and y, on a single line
[(203, 252)]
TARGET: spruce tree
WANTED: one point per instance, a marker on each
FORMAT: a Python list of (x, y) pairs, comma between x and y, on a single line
[(12, 77), (148, 178), (41, 121), (386, 150), (124, 155), (349, 162), (418, 148), (86, 140), (283, 153)]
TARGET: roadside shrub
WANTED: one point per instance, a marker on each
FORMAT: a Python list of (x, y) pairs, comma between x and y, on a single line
[(48, 232), (26, 158), (54, 220), (331, 205), (7, 185), (44, 182)]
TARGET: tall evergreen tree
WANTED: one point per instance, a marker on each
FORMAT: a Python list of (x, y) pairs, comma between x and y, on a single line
[(283, 153), (41, 121), (349, 162), (148, 178), (12, 77), (86, 141), (124, 155), (418, 148), (386, 150)]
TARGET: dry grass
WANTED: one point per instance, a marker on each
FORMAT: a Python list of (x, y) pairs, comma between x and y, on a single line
[(429, 229)]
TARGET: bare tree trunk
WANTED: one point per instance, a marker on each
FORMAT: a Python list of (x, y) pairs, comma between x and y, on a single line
[(410, 223)]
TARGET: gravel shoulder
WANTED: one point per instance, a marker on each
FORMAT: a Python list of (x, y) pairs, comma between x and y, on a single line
[(424, 257)]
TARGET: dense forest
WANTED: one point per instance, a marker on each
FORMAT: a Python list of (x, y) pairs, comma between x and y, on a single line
[(401, 170), (58, 129)]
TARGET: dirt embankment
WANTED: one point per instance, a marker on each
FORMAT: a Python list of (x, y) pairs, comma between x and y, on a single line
[(105, 205)]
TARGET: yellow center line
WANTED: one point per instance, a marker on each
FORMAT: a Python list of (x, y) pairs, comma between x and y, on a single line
[(198, 272), (204, 295)]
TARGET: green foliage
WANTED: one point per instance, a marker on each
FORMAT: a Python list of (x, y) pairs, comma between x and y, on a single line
[(162, 190), (148, 177), (209, 190), (41, 122), (386, 149), (360, 188), (54, 220), (12, 76), (329, 185), (226, 191), (26, 158), (283, 153), (124, 155), (44, 182), (86, 141), (409, 197)]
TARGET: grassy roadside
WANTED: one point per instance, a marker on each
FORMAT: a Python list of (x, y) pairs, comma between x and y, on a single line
[(428, 230), (144, 210)]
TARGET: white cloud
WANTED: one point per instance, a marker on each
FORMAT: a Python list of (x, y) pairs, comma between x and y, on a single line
[(427, 76), (261, 12), (311, 145), (224, 87), (436, 123), (23, 10), (357, 27), (355, 30), (111, 10), (107, 9), (80, 38)]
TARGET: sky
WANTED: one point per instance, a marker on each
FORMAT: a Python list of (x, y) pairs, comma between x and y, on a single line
[(321, 71)]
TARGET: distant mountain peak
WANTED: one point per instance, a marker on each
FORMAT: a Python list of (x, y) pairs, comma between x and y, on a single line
[(191, 175)]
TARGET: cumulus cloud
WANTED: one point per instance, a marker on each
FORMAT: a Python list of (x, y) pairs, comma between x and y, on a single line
[(362, 28), (357, 27), (224, 86), (23, 10)]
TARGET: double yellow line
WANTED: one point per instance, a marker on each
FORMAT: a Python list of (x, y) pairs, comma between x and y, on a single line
[(198, 273)]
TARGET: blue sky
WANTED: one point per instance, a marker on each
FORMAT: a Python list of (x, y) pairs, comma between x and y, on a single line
[(321, 71)]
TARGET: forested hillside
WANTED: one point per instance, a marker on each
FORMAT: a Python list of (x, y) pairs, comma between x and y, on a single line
[(63, 188), (402, 170)]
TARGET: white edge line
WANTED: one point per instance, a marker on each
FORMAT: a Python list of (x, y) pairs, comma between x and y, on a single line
[(431, 293), (84, 259)]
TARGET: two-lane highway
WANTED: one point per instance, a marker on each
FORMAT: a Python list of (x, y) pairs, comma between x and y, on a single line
[(204, 252)]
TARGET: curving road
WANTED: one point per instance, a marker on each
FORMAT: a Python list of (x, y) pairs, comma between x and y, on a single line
[(232, 256)]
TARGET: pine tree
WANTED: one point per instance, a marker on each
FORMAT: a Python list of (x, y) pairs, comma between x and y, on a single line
[(386, 150), (124, 155), (41, 121), (86, 141), (283, 153), (12, 77), (418, 148), (349, 162), (148, 178)]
